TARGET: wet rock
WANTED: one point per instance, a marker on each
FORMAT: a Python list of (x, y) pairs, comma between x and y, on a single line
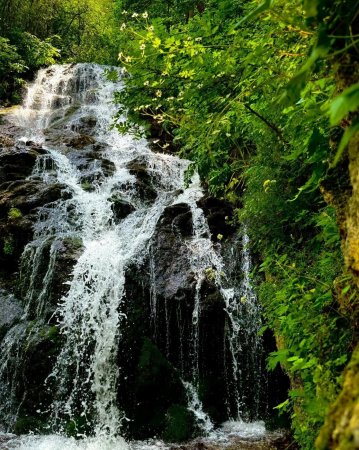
[(27, 195), (68, 252), (270, 441), (43, 343), (85, 125), (213, 360), (81, 141), (19, 203), (5, 438), (120, 207), (144, 182), (11, 309), (218, 213), (18, 163), (149, 384), (6, 141), (60, 255), (157, 387), (91, 165), (57, 135), (8, 131), (178, 218), (173, 277), (179, 424)]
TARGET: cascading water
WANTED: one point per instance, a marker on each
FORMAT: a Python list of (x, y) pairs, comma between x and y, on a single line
[(90, 312)]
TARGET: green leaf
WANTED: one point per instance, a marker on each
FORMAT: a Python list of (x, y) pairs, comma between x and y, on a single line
[(346, 102), (276, 358), (311, 8), (283, 405), (298, 82), (346, 289), (262, 330), (261, 8), (347, 136), (311, 184), (295, 393)]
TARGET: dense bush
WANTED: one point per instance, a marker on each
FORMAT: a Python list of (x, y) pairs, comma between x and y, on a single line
[(37, 34)]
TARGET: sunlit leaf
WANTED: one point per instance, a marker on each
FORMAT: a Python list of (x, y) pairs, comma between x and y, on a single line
[(346, 102)]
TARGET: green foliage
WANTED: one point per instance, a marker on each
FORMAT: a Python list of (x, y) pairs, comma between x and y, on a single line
[(346, 102), (87, 186), (36, 53), (26, 52), (299, 304), (37, 34), (11, 67)]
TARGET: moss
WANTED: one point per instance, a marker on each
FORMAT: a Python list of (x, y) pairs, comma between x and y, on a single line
[(14, 214), (8, 247), (49, 333), (87, 186), (78, 425), (26, 424), (341, 428), (351, 244), (179, 424), (157, 388)]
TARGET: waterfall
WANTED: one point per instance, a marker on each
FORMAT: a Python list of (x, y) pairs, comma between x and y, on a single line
[(90, 310), (244, 318)]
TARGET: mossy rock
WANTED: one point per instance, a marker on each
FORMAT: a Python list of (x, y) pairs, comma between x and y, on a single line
[(341, 428), (78, 425), (26, 424), (157, 388), (39, 351), (180, 424), (120, 207)]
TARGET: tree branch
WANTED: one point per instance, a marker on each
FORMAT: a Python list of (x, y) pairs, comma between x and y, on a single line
[(270, 125)]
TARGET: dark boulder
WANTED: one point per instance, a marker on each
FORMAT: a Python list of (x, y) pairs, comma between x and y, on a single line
[(85, 125), (157, 388), (177, 219), (144, 182), (27, 195), (81, 141), (219, 213), (121, 208), (173, 273), (91, 164), (40, 347), (17, 163), (19, 204)]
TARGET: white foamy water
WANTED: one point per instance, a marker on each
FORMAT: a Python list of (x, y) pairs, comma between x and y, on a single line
[(227, 434), (56, 442)]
